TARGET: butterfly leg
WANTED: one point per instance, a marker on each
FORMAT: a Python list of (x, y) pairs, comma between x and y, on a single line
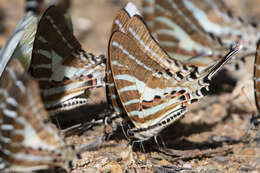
[(157, 142), (111, 122)]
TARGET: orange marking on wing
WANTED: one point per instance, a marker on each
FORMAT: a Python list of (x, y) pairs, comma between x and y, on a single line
[(55, 83), (148, 104), (156, 100), (187, 96), (87, 78), (178, 94)]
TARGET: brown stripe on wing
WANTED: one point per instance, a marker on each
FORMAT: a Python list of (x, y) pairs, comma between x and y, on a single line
[(121, 21), (186, 21), (120, 24), (54, 37), (212, 16), (232, 28), (148, 12), (178, 11), (58, 95), (161, 114), (144, 37), (111, 92)]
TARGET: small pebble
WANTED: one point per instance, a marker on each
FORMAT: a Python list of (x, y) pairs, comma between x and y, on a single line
[(221, 159), (211, 171), (112, 157), (246, 168), (130, 171), (187, 166), (255, 171), (90, 170), (206, 169), (223, 139), (256, 162), (107, 171)]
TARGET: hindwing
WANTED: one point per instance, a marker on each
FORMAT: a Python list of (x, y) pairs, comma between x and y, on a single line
[(66, 73)]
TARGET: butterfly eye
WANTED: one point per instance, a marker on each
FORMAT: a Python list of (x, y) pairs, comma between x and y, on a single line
[(108, 120), (254, 24), (130, 133), (87, 92)]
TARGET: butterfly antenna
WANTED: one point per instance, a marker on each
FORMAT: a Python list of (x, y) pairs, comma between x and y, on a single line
[(57, 122), (223, 61)]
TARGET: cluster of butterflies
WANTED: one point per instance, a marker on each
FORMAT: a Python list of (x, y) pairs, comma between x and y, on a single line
[(150, 75)]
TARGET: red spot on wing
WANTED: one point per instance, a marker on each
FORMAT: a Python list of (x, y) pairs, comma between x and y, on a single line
[(187, 96), (178, 94), (87, 78), (147, 104), (156, 99)]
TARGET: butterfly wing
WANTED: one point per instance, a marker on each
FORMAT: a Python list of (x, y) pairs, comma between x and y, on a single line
[(148, 12), (202, 29), (20, 43), (119, 24), (132, 76), (65, 72), (28, 140), (24, 48)]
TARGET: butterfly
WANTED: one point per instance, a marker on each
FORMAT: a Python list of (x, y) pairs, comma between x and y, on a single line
[(28, 140), (20, 42), (65, 72), (198, 32), (145, 83)]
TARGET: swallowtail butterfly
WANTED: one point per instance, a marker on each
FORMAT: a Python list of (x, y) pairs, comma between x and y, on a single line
[(65, 72), (152, 89), (28, 141), (202, 29)]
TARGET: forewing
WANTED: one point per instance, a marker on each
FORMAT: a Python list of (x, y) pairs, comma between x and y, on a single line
[(139, 32), (119, 24)]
